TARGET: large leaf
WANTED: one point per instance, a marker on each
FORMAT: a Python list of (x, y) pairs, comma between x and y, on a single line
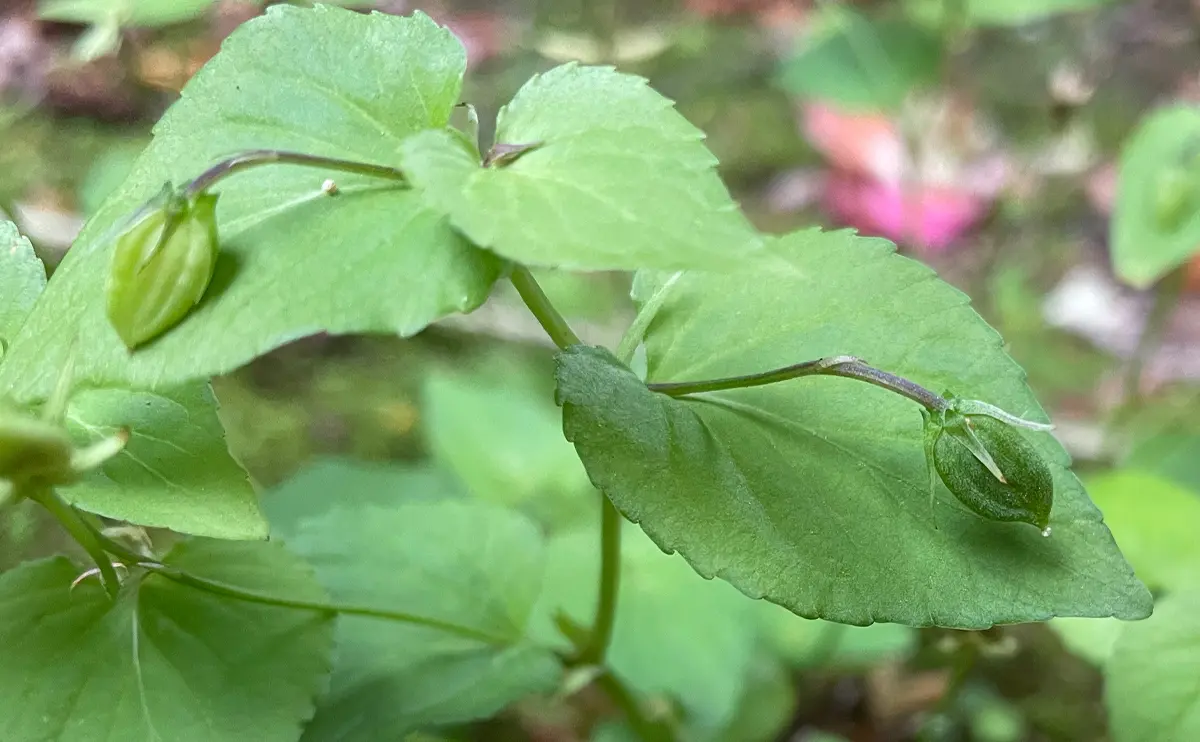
[(1156, 225), (815, 493), (503, 438), (1155, 522), (22, 278), (620, 180), (1151, 682), (466, 564), (163, 662), (175, 472), (665, 612), (864, 64), (330, 483), (294, 260)]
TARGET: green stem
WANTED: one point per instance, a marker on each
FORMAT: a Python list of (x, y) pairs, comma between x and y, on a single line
[(610, 582), (644, 727), (75, 525), (256, 157), (133, 559), (537, 301), (1166, 298), (844, 366)]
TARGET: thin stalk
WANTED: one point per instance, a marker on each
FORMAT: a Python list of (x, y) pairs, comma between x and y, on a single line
[(537, 301), (610, 582), (1166, 299), (256, 157), (624, 698), (133, 559), (844, 366), (83, 534)]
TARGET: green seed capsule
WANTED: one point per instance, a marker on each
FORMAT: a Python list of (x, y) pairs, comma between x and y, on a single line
[(1026, 493), (161, 267), (33, 451)]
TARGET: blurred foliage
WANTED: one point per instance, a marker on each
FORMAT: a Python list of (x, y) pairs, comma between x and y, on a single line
[(455, 414)]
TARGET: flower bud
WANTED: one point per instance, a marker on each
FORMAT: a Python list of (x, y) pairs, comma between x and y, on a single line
[(33, 451), (988, 465), (161, 267)]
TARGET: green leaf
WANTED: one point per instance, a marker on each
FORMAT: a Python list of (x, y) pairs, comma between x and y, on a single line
[(503, 439), (664, 612), (1174, 455), (1156, 224), (464, 564), (326, 484), (1150, 682), (175, 472), (1021, 12), (163, 662), (805, 643), (861, 63), (22, 278), (1155, 523), (767, 706), (815, 493), (147, 13), (620, 180), (295, 261)]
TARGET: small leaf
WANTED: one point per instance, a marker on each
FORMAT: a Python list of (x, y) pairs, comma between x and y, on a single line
[(814, 493), (22, 278), (768, 704), (163, 662), (503, 439), (618, 180), (294, 260), (861, 64), (665, 609), (330, 483), (465, 564), (1156, 223), (1155, 522), (148, 13), (1150, 681), (175, 472)]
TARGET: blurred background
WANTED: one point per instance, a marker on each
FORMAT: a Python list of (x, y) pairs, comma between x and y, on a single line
[(1012, 145)]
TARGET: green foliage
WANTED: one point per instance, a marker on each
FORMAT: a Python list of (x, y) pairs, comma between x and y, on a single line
[(858, 63), (664, 607), (175, 472), (618, 180), (22, 279), (1154, 521), (163, 661), (1151, 687), (502, 436), (125, 12), (1156, 224), (469, 572), (792, 488), (283, 81), (480, 581), (994, 13)]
